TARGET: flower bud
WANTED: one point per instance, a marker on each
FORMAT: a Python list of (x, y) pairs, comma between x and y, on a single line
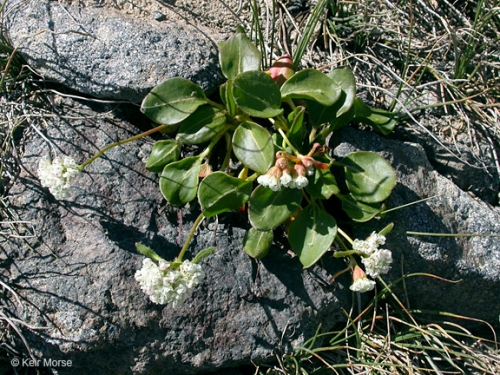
[(300, 179), (307, 162), (282, 69), (361, 283), (281, 163)]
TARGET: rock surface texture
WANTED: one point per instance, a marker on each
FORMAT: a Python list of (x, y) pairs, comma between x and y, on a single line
[(107, 54)]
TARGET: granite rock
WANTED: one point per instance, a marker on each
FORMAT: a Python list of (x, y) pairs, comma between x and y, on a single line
[(105, 54)]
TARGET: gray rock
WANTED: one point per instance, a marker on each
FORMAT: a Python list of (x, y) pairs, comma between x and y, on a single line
[(106, 54), (76, 275), (472, 262), (471, 172)]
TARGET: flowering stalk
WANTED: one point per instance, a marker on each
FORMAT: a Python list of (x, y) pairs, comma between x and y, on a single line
[(190, 237), (288, 142), (119, 143)]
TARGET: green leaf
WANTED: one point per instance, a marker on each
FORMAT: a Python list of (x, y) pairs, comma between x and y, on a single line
[(256, 94), (163, 153), (324, 185), (344, 77), (179, 180), (226, 94), (382, 121), (237, 55), (387, 229), (219, 193), (342, 112), (257, 243), (172, 101), (320, 114), (313, 85), (203, 254), (267, 208), (311, 234), (147, 252), (297, 133), (253, 146), (201, 126), (369, 177), (359, 211)]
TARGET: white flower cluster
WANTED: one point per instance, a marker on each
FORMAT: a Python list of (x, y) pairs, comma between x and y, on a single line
[(376, 261), (166, 285), (280, 176), (57, 175), (368, 246)]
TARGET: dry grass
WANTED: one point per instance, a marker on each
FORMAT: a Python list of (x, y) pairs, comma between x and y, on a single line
[(386, 338)]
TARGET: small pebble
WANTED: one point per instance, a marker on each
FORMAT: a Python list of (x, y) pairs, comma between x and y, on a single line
[(158, 16)]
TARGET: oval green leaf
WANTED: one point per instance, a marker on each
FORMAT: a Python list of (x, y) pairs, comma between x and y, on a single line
[(359, 211), (344, 77), (201, 126), (369, 177), (237, 55), (219, 193), (172, 101), (256, 94), (253, 146), (257, 243), (163, 153), (320, 114), (311, 234), (324, 185), (311, 84), (179, 180), (382, 121), (267, 208)]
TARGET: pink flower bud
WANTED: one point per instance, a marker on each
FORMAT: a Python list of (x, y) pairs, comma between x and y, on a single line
[(282, 69), (281, 163), (358, 273), (361, 283), (300, 170), (307, 161)]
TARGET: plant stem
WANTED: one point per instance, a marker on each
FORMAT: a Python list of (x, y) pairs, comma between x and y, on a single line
[(253, 177), (296, 152), (345, 235), (216, 105), (190, 237), (119, 143), (227, 158), (290, 102), (212, 144)]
